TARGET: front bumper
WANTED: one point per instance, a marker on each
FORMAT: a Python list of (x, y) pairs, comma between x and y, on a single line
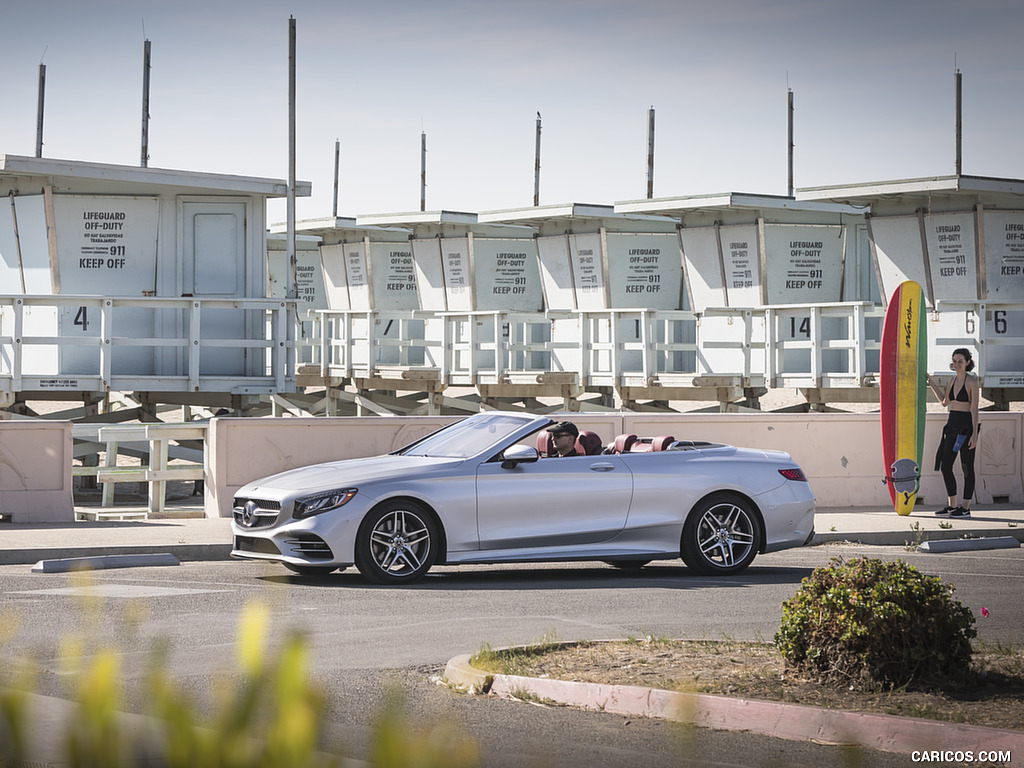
[(265, 530)]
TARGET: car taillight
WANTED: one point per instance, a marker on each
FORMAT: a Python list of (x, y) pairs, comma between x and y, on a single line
[(794, 473)]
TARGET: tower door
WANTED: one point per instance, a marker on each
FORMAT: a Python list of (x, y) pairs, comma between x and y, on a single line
[(213, 239)]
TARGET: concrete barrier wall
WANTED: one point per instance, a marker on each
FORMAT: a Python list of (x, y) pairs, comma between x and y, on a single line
[(35, 472), (840, 453)]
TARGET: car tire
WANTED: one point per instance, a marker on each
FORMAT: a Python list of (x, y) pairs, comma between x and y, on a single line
[(721, 535), (397, 543), (311, 570)]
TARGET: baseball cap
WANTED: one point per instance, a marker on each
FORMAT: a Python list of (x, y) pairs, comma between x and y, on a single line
[(565, 428)]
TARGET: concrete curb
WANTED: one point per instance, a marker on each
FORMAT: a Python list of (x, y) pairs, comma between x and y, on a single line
[(463, 674), (781, 720), (902, 538), (183, 552), (68, 564), (964, 545)]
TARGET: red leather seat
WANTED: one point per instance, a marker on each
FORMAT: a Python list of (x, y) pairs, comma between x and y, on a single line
[(662, 442), (624, 442), (545, 443), (589, 443)]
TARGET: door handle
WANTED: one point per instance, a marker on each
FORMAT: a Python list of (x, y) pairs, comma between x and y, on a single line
[(603, 467)]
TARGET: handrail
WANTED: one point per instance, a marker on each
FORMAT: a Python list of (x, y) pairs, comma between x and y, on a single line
[(96, 343), (361, 344), (828, 345), (813, 346), (495, 346), (639, 345), (992, 330)]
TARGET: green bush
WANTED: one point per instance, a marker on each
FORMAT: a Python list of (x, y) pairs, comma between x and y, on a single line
[(867, 622)]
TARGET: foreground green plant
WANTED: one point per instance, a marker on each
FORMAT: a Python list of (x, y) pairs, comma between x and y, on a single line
[(871, 622), (266, 715)]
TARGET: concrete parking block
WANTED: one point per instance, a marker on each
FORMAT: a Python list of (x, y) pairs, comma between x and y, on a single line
[(68, 564), (966, 545)]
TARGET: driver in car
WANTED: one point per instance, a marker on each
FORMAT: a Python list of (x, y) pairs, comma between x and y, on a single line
[(564, 435)]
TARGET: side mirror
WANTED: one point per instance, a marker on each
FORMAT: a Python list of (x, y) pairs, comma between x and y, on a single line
[(518, 454)]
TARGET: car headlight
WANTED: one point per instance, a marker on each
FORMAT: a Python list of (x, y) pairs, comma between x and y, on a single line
[(318, 503)]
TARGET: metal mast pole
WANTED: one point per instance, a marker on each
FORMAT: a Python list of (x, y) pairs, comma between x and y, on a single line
[(39, 110), (423, 171), (145, 103), (957, 85), (536, 168), (291, 288), (789, 144), (337, 161), (650, 153)]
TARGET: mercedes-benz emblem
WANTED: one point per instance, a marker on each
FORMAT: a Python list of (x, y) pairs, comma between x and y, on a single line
[(249, 513)]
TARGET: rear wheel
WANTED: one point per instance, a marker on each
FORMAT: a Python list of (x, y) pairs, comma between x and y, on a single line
[(721, 535), (397, 543)]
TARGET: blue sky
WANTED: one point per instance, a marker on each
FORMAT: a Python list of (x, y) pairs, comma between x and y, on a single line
[(872, 83)]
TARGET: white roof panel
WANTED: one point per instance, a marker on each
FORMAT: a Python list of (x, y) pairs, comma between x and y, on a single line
[(967, 185), (18, 165), (675, 206)]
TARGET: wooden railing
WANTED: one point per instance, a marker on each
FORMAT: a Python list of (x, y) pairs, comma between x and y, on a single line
[(156, 439)]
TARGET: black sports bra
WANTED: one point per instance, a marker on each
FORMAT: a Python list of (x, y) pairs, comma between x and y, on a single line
[(963, 396)]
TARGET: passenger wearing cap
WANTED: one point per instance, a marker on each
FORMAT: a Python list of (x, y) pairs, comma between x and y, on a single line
[(564, 435)]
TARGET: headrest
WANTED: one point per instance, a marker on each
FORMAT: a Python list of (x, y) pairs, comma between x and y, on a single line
[(624, 442), (662, 442), (589, 443)]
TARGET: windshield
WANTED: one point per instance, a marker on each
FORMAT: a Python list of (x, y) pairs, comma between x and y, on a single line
[(468, 437)]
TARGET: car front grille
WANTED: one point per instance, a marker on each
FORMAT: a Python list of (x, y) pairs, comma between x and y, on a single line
[(311, 546), (256, 546), (255, 513)]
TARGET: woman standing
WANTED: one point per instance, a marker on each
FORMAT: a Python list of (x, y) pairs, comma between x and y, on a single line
[(960, 435)]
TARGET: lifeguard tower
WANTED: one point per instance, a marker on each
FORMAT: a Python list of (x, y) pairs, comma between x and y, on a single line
[(419, 302), (613, 298), (782, 294), (148, 282), (962, 238)]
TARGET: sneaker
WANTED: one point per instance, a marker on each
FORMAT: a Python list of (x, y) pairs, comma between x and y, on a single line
[(960, 513), (944, 512)]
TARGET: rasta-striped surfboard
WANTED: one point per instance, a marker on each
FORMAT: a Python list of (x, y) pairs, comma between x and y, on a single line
[(903, 388)]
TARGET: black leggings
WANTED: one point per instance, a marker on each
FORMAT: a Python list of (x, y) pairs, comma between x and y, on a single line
[(959, 423)]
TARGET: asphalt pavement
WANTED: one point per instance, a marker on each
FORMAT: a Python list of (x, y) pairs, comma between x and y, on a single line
[(185, 534)]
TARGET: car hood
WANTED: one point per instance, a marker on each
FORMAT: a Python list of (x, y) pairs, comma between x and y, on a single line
[(348, 472)]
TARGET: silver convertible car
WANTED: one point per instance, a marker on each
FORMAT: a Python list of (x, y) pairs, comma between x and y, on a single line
[(484, 490)]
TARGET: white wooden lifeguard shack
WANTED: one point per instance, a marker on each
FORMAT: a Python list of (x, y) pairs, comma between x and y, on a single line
[(783, 291), (614, 298), (962, 238), (430, 296), (140, 280), (340, 279)]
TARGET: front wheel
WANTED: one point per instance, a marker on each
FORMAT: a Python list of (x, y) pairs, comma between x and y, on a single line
[(721, 536), (397, 544)]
